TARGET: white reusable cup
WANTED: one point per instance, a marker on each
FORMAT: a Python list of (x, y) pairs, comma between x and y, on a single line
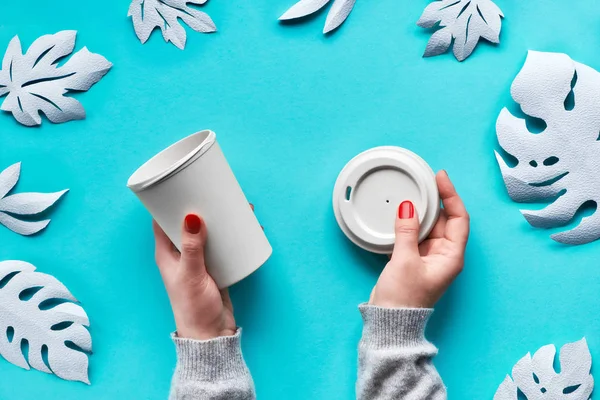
[(193, 176), (370, 188)]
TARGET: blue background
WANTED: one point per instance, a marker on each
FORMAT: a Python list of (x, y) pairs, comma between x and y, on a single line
[(291, 107)]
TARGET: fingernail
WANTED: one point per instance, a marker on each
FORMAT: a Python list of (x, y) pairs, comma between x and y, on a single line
[(192, 223), (406, 210)]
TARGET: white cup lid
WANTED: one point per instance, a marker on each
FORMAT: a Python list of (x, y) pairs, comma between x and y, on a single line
[(370, 188)]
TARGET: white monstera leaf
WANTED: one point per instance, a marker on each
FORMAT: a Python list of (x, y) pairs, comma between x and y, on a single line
[(38, 310), (536, 378), (465, 21), (150, 14), (337, 14), (35, 83), (559, 165), (22, 204)]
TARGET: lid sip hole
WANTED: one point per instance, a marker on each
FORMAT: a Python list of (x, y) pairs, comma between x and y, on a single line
[(348, 192)]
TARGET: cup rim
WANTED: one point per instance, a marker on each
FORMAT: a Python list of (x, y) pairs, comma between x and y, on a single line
[(138, 184)]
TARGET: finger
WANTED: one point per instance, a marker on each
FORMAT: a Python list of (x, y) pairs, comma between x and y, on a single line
[(164, 249), (457, 226), (407, 232), (252, 207), (226, 300), (440, 226), (193, 239)]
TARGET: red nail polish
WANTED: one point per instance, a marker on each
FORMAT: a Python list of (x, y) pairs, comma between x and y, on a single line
[(406, 210), (192, 223)]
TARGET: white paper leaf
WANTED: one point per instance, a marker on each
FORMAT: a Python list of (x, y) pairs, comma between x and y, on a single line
[(22, 203), (560, 164), (24, 228), (337, 14), (45, 329), (35, 83), (464, 20), (439, 42), (29, 203), (303, 8), (537, 380), (150, 14), (9, 178)]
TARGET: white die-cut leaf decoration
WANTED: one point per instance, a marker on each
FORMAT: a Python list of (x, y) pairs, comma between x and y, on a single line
[(465, 21), (536, 378), (31, 309), (337, 14), (35, 83), (150, 14), (24, 204), (559, 165)]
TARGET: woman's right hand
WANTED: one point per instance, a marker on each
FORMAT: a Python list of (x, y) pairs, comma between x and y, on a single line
[(417, 275), (201, 310)]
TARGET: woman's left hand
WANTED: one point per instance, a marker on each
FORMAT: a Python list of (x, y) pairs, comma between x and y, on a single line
[(417, 275)]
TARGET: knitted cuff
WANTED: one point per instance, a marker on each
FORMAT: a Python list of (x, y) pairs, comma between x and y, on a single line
[(394, 327), (210, 360)]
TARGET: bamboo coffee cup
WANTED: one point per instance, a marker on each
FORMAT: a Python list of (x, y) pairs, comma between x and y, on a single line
[(193, 176)]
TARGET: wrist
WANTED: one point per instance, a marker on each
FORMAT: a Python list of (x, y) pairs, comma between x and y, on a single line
[(398, 300), (204, 333), (391, 303)]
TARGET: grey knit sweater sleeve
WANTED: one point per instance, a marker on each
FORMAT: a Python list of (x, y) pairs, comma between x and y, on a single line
[(395, 359), (394, 362), (211, 370)]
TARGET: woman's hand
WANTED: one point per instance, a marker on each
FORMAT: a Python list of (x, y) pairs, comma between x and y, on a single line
[(201, 311), (418, 274)]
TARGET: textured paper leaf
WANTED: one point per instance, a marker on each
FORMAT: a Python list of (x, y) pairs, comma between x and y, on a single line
[(22, 203), (337, 14), (560, 164), (465, 21), (150, 14), (21, 318), (35, 83), (9, 178), (537, 380)]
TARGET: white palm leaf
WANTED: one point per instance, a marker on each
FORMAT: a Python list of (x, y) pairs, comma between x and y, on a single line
[(37, 309)]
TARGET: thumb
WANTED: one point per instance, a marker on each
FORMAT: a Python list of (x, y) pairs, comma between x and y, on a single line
[(193, 239), (407, 231)]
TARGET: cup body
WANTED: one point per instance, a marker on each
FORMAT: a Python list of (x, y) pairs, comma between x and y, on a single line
[(193, 176)]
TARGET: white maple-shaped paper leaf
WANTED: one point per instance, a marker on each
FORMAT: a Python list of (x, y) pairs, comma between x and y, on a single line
[(536, 378), (337, 14), (150, 14), (465, 21), (35, 83), (559, 165), (24, 204), (30, 310)]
